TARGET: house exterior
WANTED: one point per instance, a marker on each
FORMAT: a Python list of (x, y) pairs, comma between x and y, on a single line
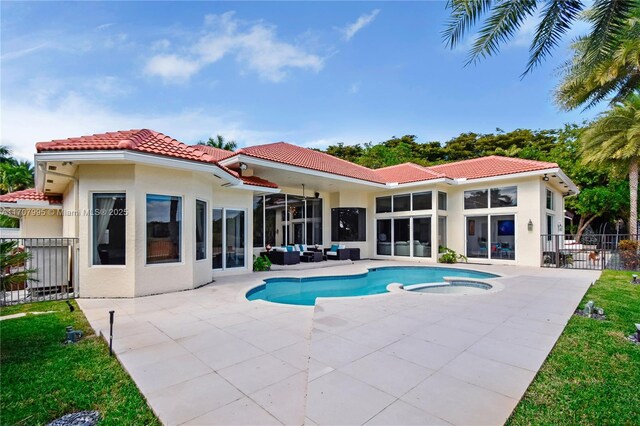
[(155, 215)]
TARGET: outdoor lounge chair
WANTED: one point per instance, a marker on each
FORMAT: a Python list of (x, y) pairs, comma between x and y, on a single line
[(279, 257)]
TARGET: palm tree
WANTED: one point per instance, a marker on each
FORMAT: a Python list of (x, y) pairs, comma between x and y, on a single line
[(507, 16), (16, 175), (588, 80), (614, 137), (5, 155), (221, 143)]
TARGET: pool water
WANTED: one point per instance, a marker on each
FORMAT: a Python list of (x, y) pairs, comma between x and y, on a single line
[(304, 291), (453, 288)]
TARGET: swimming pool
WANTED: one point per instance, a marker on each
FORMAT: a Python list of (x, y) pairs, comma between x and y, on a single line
[(304, 291)]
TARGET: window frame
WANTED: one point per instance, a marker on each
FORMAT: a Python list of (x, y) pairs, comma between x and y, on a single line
[(446, 201), (464, 200), (550, 196), (206, 229), (181, 260), (92, 228), (491, 206), (362, 215)]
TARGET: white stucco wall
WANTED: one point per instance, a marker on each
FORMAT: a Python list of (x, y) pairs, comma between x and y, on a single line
[(47, 224)]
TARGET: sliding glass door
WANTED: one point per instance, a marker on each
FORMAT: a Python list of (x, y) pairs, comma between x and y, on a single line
[(229, 238), (491, 236)]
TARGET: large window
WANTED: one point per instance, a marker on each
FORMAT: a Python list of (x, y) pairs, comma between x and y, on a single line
[(476, 199), (404, 202), (274, 207), (500, 197), (314, 221), (286, 219), (349, 224), (421, 237), (258, 221), (234, 234), (229, 238), (383, 232), (109, 229), (201, 230), (422, 201), (504, 197), (491, 236), (164, 228), (442, 231)]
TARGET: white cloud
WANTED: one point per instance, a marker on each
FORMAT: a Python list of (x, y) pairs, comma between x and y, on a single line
[(24, 123), (104, 26), (354, 88), (255, 47), (162, 44), (172, 68), (350, 30), (25, 51)]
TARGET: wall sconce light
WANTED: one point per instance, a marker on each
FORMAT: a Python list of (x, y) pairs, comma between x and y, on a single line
[(530, 225), (243, 166), (545, 178), (317, 195), (559, 226)]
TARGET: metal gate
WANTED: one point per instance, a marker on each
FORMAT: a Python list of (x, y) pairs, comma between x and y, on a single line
[(54, 265), (593, 251)]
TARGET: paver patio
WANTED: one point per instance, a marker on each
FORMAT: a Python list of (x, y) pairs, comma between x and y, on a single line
[(209, 356)]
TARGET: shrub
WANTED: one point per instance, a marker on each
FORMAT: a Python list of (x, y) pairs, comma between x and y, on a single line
[(450, 256), (629, 256), (13, 258), (261, 263)]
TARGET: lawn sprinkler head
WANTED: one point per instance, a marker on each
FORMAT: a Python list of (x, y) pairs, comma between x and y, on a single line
[(634, 279), (73, 335)]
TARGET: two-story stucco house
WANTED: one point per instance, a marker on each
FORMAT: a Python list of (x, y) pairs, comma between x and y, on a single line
[(154, 215)]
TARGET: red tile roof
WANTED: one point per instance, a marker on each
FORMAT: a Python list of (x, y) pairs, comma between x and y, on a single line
[(216, 153), (492, 165), (29, 195), (151, 142), (147, 141), (407, 172), (293, 155)]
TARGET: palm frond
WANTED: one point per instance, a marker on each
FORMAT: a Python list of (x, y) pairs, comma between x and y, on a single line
[(464, 15), (558, 15), (609, 18), (505, 19)]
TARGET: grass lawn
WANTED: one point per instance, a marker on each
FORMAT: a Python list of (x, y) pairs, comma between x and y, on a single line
[(43, 379), (592, 375)]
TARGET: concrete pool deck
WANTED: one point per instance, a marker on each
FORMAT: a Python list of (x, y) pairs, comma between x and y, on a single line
[(209, 356)]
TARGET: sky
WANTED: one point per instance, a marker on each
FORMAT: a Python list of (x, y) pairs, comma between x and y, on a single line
[(309, 73)]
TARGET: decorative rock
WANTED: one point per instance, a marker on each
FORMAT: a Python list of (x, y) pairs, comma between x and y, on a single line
[(82, 418), (593, 315)]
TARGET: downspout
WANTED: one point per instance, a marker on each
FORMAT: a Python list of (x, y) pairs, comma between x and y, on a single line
[(76, 187)]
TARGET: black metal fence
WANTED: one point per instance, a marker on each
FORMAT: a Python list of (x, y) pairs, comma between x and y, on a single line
[(54, 265), (592, 251)]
